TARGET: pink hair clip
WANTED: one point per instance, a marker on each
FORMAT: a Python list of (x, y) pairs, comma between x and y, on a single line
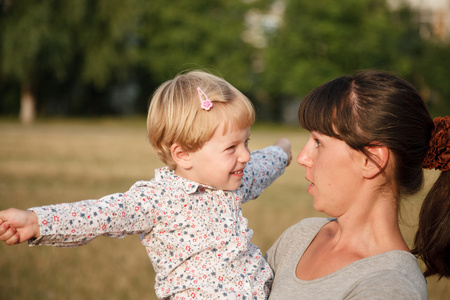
[(206, 104)]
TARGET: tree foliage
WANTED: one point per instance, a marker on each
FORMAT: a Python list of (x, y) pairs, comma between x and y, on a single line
[(435, 70), (76, 54), (195, 34), (320, 40), (49, 35), (102, 42), (63, 38)]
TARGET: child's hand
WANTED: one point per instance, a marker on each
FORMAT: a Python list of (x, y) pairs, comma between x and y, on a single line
[(17, 226), (284, 144)]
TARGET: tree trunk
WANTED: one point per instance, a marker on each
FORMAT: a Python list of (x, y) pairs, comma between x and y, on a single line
[(27, 112)]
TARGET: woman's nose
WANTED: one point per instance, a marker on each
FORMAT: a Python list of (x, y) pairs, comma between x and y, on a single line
[(303, 158)]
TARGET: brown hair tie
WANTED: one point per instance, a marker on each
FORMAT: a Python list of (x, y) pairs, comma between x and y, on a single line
[(438, 155)]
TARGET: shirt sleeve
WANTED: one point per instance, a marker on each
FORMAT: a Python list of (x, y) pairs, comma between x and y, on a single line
[(77, 223), (264, 167)]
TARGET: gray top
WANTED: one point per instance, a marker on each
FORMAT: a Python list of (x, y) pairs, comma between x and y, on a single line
[(391, 275)]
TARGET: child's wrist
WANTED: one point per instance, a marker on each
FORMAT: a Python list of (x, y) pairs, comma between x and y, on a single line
[(35, 224)]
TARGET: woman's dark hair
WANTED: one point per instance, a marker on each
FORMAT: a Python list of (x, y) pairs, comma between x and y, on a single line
[(373, 108), (379, 108), (432, 241)]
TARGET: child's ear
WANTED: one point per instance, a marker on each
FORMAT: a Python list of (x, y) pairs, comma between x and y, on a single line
[(181, 157), (379, 158)]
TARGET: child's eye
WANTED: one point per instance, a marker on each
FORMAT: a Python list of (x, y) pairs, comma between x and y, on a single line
[(247, 141)]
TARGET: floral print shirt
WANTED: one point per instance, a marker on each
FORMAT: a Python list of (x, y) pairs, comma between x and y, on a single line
[(195, 236)]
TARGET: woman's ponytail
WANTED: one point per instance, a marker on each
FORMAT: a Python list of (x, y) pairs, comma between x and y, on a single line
[(432, 241)]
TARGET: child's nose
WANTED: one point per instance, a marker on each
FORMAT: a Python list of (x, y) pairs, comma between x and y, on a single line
[(244, 156)]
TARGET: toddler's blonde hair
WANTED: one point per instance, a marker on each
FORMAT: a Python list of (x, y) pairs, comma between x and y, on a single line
[(175, 115)]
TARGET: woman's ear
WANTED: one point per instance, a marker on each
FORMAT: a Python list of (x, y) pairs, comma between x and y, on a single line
[(181, 157), (379, 158)]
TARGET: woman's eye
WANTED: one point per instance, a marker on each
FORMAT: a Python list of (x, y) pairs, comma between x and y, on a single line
[(318, 143)]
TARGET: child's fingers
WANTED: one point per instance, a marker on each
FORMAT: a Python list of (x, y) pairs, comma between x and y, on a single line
[(14, 239), (4, 226), (8, 234)]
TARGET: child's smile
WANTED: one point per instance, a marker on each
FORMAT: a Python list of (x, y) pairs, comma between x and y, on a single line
[(221, 161)]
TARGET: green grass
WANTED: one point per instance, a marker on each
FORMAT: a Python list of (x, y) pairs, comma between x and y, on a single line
[(67, 161)]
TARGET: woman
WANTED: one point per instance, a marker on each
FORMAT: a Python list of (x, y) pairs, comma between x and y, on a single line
[(369, 137)]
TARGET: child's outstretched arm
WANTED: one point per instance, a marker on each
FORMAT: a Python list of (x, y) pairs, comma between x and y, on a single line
[(284, 144), (17, 226), (77, 223)]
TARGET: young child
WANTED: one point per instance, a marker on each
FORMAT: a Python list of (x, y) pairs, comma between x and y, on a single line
[(189, 216)]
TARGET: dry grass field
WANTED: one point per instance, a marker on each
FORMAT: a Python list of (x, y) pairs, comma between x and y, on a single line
[(67, 161)]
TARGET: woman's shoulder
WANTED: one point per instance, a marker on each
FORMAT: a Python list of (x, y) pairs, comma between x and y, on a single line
[(398, 261), (397, 271)]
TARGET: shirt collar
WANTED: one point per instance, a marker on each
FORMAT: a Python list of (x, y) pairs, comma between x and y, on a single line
[(189, 186)]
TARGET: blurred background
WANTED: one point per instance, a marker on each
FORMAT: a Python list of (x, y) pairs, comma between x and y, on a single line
[(80, 74), (90, 58)]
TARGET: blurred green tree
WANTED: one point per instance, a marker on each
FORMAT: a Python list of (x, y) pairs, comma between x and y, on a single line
[(196, 34), (102, 42), (51, 36), (93, 46), (320, 40), (435, 71)]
